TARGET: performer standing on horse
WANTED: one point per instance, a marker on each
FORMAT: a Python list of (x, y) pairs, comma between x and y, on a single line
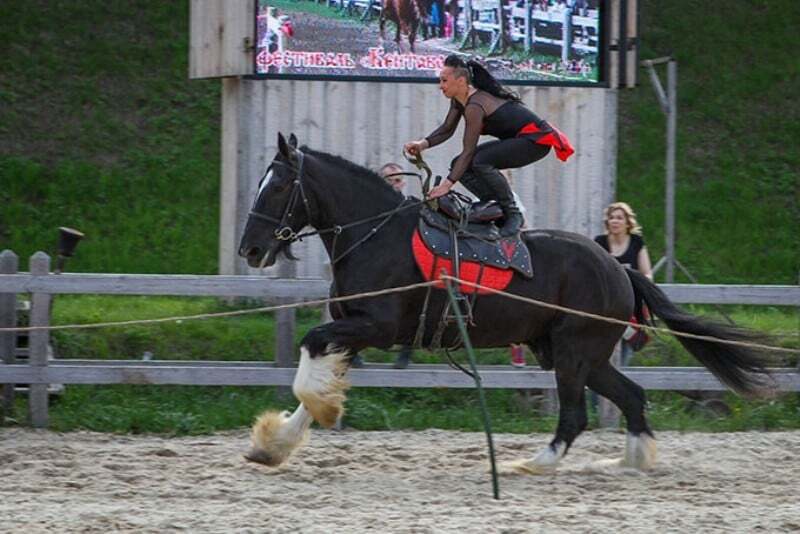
[(489, 108)]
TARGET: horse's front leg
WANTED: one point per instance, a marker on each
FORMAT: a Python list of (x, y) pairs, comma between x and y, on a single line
[(319, 385)]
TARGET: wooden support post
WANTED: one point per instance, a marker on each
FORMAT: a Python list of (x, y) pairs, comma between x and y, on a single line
[(607, 413), (9, 262), (38, 343), (550, 402), (285, 327), (672, 118)]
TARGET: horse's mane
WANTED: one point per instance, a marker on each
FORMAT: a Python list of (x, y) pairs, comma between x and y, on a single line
[(352, 169)]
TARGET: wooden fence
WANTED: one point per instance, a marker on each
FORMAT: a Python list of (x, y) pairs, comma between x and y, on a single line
[(39, 371)]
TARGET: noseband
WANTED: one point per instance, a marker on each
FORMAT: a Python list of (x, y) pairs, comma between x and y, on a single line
[(284, 232)]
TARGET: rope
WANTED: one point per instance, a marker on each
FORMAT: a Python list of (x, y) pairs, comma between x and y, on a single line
[(619, 321), (250, 311), (399, 290)]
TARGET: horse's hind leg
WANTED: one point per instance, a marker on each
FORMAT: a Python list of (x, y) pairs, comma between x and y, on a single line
[(397, 39), (571, 370), (412, 35), (640, 447)]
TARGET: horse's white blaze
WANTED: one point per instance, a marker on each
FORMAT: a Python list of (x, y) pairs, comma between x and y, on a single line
[(264, 183), (276, 435), (640, 452), (320, 385)]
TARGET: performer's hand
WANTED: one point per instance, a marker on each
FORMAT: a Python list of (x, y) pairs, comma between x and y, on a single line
[(441, 189), (415, 148)]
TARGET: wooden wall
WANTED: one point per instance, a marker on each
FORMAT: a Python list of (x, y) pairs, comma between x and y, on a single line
[(368, 123)]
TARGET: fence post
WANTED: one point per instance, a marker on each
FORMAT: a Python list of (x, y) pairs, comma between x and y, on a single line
[(285, 327), (528, 26), (39, 341), (9, 263), (607, 413), (566, 34)]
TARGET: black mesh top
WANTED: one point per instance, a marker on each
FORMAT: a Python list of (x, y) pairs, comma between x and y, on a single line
[(484, 114)]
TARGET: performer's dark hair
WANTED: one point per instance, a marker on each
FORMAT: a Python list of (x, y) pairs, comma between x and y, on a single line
[(479, 77)]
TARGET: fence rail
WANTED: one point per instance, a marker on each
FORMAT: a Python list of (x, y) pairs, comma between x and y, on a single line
[(40, 371), (374, 375), (316, 288)]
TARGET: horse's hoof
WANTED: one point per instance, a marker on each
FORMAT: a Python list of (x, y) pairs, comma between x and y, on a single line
[(276, 435), (640, 451), (262, 457)]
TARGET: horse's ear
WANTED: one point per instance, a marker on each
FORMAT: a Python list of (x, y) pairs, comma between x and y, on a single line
[(292, 140), (283, 147)]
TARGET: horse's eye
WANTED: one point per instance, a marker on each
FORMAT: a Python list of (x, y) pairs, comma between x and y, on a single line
[(281, 184)]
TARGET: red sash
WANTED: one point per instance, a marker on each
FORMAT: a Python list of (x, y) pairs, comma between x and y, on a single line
[(554, 138)]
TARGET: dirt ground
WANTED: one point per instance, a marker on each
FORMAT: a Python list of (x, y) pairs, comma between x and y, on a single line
[(429, 481)]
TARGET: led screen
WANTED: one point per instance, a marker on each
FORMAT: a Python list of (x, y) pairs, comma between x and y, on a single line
[(523, 41)]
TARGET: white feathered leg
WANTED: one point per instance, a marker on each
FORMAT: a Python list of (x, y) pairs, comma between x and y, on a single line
[(640, 451), (276, 435), (320, 384)]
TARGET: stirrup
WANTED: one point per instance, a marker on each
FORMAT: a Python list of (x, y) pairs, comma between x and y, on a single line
[(464, 308)]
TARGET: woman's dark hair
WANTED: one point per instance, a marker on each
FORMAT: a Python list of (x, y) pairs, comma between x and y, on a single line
[(479, 77)]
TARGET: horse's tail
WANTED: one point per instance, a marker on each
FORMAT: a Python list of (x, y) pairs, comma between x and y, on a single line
[(741, 368)]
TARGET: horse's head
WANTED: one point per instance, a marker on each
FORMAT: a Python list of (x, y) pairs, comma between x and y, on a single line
[(280, 209)]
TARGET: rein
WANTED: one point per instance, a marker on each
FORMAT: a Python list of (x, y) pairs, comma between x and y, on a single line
[(284, 232)]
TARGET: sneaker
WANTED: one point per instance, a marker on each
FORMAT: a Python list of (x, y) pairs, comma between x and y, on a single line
[(356, 361), (518, 356)]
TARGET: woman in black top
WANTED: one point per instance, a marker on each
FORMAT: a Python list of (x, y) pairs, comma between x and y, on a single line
[(623, 238), (624, 241), (490, 109)]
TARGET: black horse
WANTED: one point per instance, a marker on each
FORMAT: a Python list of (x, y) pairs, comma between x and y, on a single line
[(367, 229)]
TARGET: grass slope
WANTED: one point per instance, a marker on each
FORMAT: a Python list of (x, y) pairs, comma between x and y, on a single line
[(738, 186), (101, 129)]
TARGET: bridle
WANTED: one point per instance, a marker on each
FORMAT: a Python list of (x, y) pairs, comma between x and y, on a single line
[(284, 232)]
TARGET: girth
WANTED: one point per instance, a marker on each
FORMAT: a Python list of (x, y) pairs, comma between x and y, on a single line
[(468, 251)]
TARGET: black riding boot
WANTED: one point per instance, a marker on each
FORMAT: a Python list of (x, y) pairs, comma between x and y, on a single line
[(501, 192)]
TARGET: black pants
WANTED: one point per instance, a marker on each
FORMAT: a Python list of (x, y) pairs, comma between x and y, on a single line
[(501, 154)]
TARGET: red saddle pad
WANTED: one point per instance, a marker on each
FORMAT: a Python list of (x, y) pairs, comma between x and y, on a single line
[(432, 266)]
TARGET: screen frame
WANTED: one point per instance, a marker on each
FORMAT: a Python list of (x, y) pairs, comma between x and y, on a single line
[(602, 64)]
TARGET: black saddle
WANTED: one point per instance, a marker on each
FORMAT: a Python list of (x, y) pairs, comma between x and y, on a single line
[(465, 239), (461, 208)]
